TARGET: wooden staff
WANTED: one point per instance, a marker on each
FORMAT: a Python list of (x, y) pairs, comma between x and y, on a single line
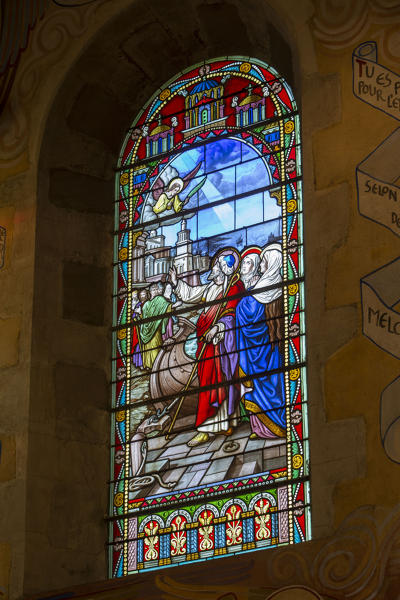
[(234, 279)]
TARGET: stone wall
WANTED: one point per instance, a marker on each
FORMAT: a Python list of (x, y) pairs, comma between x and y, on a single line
[(73, 99)]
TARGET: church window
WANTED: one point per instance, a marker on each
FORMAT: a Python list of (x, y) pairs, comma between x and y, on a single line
[(209, 398)]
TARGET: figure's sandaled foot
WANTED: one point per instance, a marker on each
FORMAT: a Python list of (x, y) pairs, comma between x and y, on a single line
[(227, 432), (253, 436), (200, 438)]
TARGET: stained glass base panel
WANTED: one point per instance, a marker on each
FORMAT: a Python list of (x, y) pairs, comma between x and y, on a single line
[(209, 419), (216, 528)]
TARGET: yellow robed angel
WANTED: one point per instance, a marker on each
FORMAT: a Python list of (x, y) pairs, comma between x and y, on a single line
[(166, 196)]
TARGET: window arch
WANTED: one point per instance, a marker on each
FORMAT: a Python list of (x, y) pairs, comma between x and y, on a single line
[(209, 429)]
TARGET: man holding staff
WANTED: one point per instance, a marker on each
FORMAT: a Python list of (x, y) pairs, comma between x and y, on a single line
[(218, 408)]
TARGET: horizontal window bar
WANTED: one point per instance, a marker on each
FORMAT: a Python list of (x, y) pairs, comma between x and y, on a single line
[(143, 373), (293, 246), (170, 443), (181, 307), (193, 391), (217, 302), (230, 96), (186, 212), (240, 162), (268, 123), (178, 429), (229, 495)]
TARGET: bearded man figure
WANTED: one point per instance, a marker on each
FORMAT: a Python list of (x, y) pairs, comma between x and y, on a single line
[(218, 408)]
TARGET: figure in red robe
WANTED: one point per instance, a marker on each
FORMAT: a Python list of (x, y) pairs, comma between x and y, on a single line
[(218, 408)]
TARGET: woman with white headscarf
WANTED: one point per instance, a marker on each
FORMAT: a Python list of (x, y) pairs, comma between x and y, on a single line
[(259, 335)]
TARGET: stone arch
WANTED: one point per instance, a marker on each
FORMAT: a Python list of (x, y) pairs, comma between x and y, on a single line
[(71, 341)]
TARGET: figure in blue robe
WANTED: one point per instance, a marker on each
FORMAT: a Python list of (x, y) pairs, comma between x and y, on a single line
[(265, 398)]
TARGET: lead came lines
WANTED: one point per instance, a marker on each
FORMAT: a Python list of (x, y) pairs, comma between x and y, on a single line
[(128, 334)]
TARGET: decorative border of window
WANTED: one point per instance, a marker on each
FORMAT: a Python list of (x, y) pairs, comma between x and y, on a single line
[(241, 513)]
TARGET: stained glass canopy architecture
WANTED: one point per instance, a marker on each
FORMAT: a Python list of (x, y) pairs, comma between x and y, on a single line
[(209, 419)]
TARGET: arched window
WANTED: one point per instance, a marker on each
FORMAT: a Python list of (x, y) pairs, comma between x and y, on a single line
[(209, 429)]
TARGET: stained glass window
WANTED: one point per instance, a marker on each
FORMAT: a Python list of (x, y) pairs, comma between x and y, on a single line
[(209, 420)]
